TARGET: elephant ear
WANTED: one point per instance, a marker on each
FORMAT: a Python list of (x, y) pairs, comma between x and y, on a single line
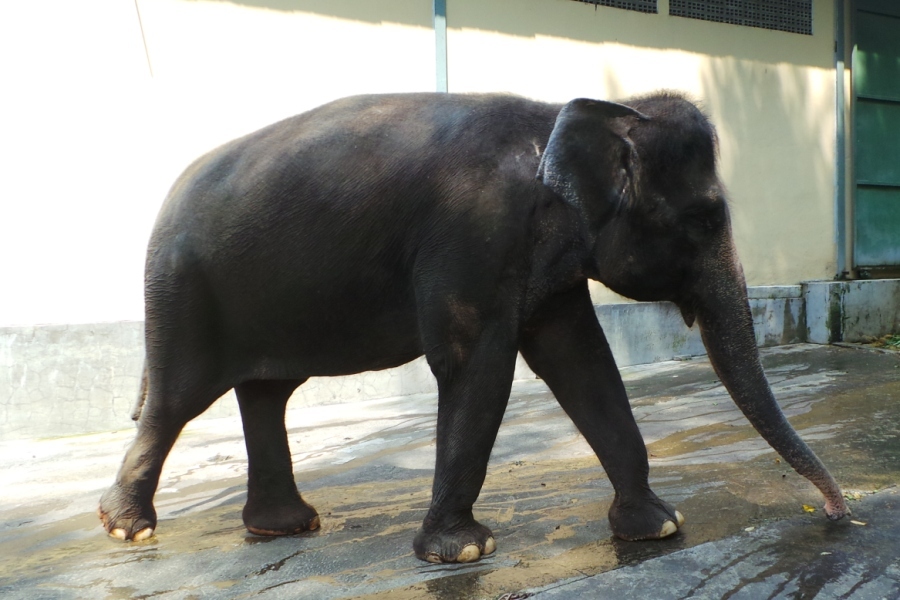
[(589, 159)]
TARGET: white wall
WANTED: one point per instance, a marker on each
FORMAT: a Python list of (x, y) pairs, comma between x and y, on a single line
[(90, 141), (75, 140)]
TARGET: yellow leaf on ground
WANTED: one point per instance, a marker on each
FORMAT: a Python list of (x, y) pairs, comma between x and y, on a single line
[(857, 522), (808, 508)]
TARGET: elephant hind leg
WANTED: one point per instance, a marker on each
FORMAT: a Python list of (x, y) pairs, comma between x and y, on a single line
[(126, 508), (274, 506)]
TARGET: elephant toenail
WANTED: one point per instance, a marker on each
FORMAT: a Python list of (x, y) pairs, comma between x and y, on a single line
[(470, 553), (680, 518), (668, 529), (314, 523), (143, 534), (119, 534), (489, 546), (433, 557)]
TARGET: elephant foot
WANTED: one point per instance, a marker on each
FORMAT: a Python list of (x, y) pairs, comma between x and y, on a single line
[(286, 516), (125, 517), (463, 543), (646, 519)]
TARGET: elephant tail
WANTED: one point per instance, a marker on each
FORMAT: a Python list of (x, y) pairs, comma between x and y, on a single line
[(142, 394)]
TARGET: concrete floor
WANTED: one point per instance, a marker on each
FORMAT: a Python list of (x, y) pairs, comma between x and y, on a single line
[(366, 467)]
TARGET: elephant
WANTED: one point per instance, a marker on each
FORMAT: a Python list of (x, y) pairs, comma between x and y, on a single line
[(376, 229)]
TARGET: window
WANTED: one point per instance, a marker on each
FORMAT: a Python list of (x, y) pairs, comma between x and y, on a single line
[(645, 6), (794, 16)]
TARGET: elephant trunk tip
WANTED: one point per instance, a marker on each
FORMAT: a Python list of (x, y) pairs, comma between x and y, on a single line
[(836, 509)]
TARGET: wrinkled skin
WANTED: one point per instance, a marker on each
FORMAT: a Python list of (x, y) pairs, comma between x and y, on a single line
[(376, 229)]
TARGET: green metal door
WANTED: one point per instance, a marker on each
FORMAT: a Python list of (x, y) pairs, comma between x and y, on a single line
[(876, 110)]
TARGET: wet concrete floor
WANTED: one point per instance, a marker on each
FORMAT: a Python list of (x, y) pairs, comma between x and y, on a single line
[(366, 467)]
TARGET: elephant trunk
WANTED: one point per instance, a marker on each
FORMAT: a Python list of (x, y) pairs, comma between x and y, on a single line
[(726, 325)]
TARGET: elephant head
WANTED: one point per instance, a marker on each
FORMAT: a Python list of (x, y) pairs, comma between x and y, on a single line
[(658, 228)]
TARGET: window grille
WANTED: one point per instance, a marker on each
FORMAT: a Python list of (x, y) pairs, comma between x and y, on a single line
[(644, 6), (794, 16)]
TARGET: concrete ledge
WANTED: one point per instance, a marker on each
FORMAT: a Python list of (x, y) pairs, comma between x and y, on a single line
[(68, 379), (646, 332), (771, 292), (779, 320), (851, 311), (71, 379)]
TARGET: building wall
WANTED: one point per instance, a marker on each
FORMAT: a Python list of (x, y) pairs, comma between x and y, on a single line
[(93, 129), (770, 94), (103, 109)]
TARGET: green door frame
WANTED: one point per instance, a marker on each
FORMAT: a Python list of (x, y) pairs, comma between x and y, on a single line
[(840, 143), (875, 191)]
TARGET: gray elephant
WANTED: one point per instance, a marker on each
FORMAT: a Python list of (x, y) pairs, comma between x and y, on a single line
[(375, 229)]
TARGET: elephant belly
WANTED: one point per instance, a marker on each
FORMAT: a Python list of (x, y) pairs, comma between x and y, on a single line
[(337, 337)]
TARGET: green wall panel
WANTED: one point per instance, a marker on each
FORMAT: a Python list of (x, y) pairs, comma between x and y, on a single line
[(877, 60), (877, 226), (878, 142), (876, 88)]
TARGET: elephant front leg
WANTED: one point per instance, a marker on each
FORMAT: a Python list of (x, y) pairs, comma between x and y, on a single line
[(474, 382), (565, 346)]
